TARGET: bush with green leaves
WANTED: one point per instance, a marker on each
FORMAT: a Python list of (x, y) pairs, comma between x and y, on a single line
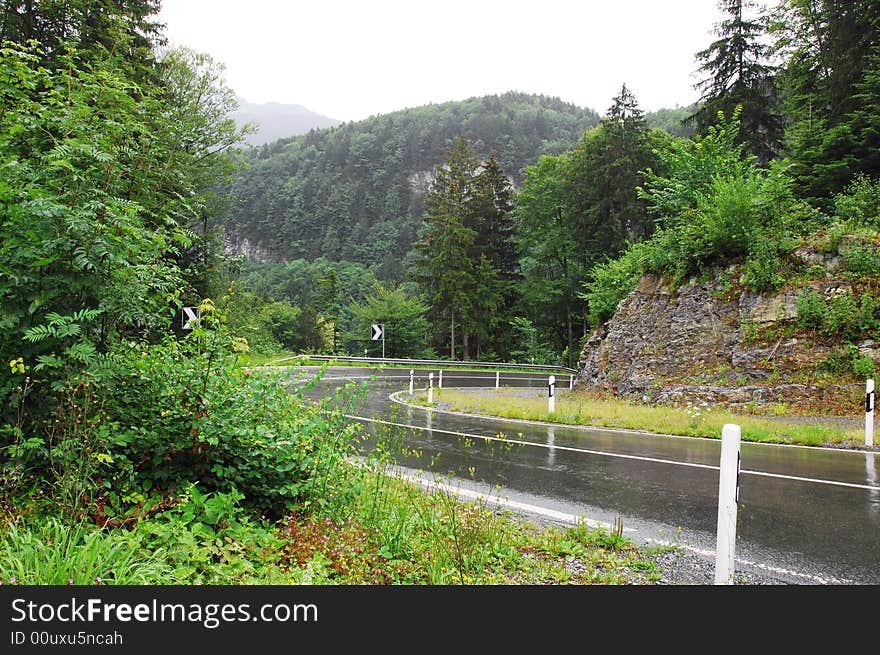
[(153, 418), (185, 412), (844, 317), (860, 202), (714, 206)]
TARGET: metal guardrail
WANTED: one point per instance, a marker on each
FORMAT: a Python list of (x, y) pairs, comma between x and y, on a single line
[(429, 363)]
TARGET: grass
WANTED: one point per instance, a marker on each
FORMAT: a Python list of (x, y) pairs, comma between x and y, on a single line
[(575, 408), (394, 532), (51, 552)]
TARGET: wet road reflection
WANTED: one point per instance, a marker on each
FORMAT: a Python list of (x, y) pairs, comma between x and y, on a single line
[(814, 513)]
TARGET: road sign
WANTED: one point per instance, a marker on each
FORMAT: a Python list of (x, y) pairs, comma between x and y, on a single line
[(378, 332), (190, 317)]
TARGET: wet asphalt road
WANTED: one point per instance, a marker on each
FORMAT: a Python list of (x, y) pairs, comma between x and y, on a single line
[(806, 515)]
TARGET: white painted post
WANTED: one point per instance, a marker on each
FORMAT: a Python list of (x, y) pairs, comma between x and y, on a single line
[(570, 382), (497, 379), (551, 399), (430, 387), (728, 496), (869, 414), (440, 383), (410, 382)]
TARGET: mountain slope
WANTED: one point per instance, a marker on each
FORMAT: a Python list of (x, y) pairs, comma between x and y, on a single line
[(279, 121), (354, 192)]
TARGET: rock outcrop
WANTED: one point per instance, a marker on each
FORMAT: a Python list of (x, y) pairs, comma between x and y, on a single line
[(706, 342)]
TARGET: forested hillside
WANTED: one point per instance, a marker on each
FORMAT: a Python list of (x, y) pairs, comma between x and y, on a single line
[(355, 192)]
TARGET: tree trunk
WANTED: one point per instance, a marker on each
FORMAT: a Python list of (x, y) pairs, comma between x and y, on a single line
[(452, 336), (464, 345)]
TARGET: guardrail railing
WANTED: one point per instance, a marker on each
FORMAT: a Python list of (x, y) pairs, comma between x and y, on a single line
[(430, 363)]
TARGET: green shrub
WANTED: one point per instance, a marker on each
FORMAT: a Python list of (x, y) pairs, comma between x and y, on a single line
[(860, 203), (149, 418), (763, 266), (861, 258), (811, 310), (182, 414)]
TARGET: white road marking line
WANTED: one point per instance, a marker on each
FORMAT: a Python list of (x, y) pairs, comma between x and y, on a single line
[(574, 519), (586, 451)]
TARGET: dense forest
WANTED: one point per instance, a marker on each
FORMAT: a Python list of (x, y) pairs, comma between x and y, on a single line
[(355, 192)]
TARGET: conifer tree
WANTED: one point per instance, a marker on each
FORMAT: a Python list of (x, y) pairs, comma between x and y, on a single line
[(829, 82), (466, 261), (444, 268), (738, 72)]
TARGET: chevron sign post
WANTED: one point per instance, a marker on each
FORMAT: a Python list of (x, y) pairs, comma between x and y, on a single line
[(379, 334), (190, 318)]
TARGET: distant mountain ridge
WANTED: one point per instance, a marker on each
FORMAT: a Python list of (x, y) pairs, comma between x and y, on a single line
[(275, 120)]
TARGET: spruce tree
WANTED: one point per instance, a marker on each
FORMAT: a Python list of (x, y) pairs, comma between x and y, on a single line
[(829, 84), (444, 267), (738, 72)]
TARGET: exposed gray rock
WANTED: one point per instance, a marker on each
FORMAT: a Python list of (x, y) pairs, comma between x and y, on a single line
[(702, 342)]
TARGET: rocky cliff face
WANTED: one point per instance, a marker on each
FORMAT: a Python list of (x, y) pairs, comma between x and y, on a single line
[(706, 342)]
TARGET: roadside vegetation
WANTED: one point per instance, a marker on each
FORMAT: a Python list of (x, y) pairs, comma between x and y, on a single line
[(198, 471), (692, 420)]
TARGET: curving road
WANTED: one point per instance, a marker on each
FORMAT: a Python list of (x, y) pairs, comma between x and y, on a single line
[(806, 515)]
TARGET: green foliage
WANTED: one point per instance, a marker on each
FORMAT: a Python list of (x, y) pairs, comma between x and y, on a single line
[(103, 181), (763, 268), (830, 79), (55, 552), (530, 347), (738, 74), (849, 362), (463, 264), (612, 280), (406, 328), (716, 208), (841, 317), (185, 413), (859, 203)]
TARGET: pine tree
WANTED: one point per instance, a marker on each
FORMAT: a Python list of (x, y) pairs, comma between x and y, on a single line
[(445, 269), (467, 262), (738, 73), (829, 82), (604, 174)]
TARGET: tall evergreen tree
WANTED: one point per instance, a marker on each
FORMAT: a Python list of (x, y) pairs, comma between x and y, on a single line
[(830, 53), (125, 29), (466, 263), (444, 268), (738, 72), (605, 170), (493, 219)]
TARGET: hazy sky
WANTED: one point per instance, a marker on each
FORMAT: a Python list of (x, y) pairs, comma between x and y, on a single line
[(351, 59)]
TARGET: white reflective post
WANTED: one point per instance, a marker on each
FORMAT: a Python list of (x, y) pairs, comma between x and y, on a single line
[(410, 382), (728, 496), (497, 379), (551, 399), (570, 382), (440, 381), (430, 387), (869, 413)]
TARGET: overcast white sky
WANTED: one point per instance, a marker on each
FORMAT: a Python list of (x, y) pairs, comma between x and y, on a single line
[(351, 59)]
